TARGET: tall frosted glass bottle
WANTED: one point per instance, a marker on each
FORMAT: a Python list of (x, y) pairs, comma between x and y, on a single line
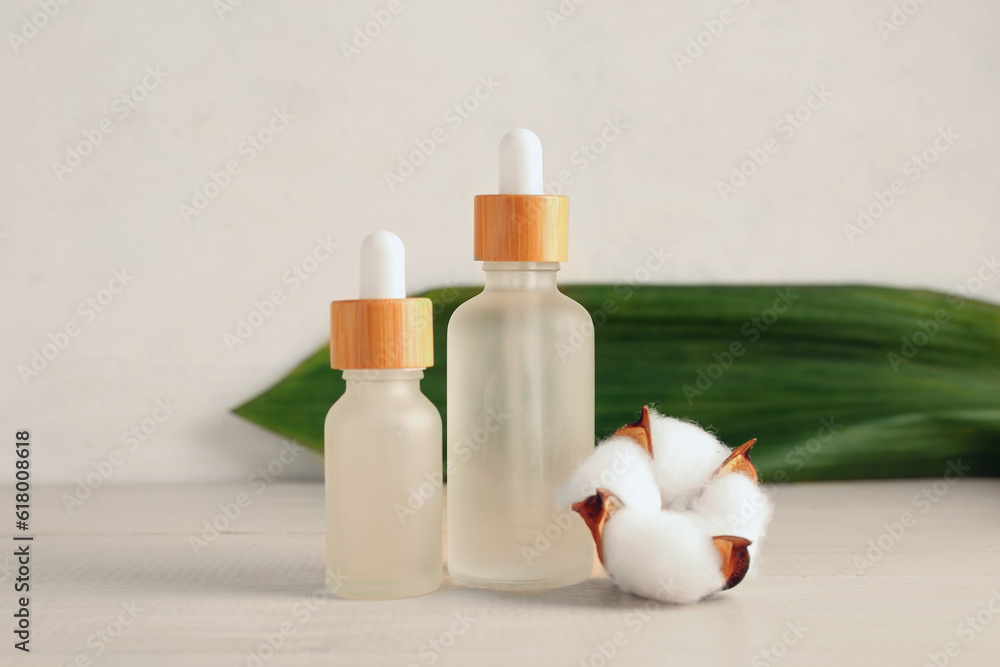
[(520, 393), (383, 438)]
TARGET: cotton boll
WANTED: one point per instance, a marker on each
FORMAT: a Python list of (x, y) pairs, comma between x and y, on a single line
[(684, 457), (733, 504), (675, 514), (619, 465), (667, 556)]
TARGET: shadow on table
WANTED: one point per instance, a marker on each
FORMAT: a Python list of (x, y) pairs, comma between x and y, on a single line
[(292, 568), (596, 592)]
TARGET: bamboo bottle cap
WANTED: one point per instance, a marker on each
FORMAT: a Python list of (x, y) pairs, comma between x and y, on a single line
[(521, 228), (383, 329), (521, 224), (381, 334)]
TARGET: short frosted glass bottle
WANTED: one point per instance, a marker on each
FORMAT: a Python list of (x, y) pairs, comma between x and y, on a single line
[(520, 392), (383, 441)]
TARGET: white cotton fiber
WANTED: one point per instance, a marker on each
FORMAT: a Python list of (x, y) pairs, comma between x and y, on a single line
[(656, 535), (667, 556), (621, 466), (733, 504), (684, 457)]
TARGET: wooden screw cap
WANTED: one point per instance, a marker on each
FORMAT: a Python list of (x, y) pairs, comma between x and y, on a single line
[(521, 228), (381, 334)]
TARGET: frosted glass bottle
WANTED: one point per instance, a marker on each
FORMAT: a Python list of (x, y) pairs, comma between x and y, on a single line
[(383, 494), (520, 420)]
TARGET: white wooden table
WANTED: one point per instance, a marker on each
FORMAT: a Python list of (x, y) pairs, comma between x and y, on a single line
[(121, 568)]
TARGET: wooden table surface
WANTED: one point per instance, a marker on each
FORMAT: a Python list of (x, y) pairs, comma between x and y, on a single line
[(117, 582)]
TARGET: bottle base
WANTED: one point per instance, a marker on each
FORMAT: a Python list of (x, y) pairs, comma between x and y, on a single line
[(370, 590), (533, 584)]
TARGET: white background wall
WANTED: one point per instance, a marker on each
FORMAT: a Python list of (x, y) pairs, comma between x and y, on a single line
[(162, 337)]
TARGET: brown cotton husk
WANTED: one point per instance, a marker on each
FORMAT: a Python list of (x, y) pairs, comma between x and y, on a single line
[(639, 431), (739, 461), (735, 558), (595, 512)]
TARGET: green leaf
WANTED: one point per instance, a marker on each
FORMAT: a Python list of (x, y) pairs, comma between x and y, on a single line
[(843, 382)]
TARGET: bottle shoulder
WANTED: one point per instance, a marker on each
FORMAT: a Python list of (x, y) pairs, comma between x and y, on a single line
[(499, 302), (359, 405), (576, 307)]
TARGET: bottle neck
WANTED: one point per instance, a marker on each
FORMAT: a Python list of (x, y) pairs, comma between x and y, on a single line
[(391, 382), (538, 276)]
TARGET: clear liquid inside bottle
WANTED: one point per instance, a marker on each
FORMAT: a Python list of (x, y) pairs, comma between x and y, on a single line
[(520, 420)]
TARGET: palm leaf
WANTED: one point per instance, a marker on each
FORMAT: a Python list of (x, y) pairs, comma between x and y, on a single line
[(847, 382)]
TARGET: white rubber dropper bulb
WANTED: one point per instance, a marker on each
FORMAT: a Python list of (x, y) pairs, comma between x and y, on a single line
[(383, 266), (521, 163)]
